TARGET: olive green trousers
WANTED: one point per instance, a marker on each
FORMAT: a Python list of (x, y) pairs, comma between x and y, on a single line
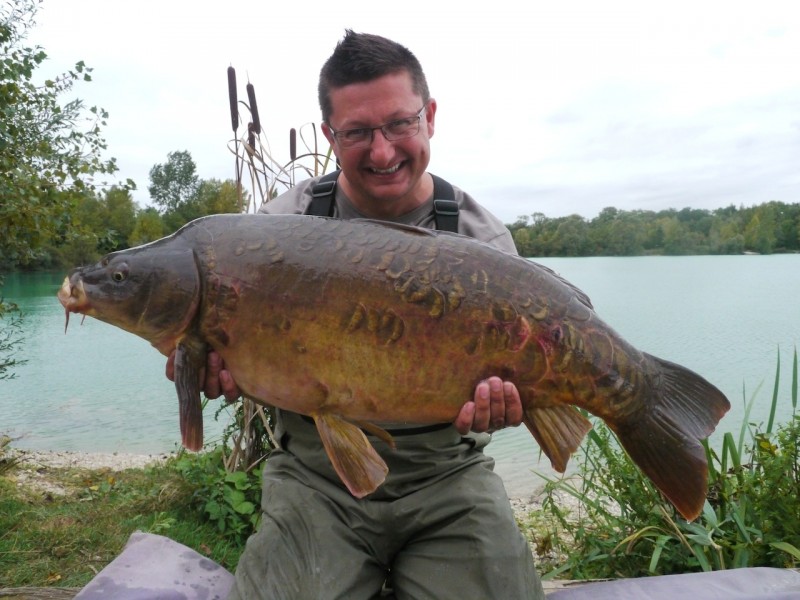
[(440, 527)]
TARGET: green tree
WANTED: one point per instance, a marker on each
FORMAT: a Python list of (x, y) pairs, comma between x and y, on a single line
[(120, 215), (102, 224), (49, 150), (174, 184), (147, 228), (216, 197), (759, 233), (571, 237)]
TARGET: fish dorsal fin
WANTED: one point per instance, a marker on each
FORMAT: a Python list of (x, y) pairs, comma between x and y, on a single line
[(580, 294), (401, 226), (356, 462), (558, 430)]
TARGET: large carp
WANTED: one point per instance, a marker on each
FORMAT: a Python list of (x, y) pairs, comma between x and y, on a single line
[(359, 322)]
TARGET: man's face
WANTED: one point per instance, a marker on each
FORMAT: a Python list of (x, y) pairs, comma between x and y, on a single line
[(383, 178)]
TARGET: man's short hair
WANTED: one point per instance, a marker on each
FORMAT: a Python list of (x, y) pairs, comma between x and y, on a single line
[(362, 57)]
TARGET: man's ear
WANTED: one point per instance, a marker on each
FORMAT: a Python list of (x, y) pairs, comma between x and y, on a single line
[(326, 130), (430, 116)]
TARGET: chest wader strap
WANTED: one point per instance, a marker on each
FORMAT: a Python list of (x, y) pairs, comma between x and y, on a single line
[(322, 195), (445, 207)]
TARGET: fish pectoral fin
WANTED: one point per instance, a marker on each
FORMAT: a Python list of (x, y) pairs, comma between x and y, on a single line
[(188, 364), (558, 430), (356, 462)]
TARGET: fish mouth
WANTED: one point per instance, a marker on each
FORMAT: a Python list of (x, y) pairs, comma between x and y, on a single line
[(73, 296), (73, 299)]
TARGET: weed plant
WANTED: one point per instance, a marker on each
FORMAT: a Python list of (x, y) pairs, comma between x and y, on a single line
[(229, 500), (623, 527)]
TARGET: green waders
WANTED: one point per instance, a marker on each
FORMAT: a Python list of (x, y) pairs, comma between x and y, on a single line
[(440, 527)]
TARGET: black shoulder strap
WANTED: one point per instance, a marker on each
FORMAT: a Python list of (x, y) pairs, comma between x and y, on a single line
[(445, 207), (322, 195)]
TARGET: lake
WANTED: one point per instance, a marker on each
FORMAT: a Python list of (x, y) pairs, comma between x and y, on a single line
[(100, 389)]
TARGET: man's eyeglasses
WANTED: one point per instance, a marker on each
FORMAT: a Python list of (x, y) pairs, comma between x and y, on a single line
[(394, 130)]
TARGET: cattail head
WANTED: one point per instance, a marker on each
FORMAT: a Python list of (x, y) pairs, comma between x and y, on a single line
[(251, 97), (233, 99), (293, 144)]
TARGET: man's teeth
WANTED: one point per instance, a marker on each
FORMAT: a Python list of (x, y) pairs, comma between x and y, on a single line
[(388, 171)]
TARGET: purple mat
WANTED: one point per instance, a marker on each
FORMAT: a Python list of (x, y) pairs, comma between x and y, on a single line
[(152, 567)]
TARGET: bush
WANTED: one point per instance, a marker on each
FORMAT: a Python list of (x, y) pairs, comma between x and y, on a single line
[(232, 500)]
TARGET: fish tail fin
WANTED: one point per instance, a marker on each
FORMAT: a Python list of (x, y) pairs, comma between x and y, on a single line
[(664, 442), (356, 462), (188, 366), (558, 430)]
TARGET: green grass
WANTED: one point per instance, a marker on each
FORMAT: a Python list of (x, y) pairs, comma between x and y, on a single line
[(47, 539)]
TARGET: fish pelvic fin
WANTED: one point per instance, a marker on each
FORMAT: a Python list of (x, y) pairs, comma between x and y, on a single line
[(558, 430), (356, 462), (665, 441), (188, 365)]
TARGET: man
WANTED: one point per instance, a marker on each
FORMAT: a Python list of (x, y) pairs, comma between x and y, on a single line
[(441, 525)]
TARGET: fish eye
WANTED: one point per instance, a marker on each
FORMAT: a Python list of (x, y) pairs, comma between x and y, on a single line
[(120, 274)]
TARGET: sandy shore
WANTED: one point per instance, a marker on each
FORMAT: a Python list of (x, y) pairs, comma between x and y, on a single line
[(33, 461), (118, 461)]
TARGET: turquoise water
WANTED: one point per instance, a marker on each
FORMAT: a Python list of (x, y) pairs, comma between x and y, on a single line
[(100, 389)]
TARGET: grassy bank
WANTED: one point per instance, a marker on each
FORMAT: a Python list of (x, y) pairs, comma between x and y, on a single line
[(60, 526)]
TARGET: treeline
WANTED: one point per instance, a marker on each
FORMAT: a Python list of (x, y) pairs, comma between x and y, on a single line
[(98, 223), (768, 228)]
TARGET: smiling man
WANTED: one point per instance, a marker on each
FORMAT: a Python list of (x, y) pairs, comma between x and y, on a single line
[(441, 525)]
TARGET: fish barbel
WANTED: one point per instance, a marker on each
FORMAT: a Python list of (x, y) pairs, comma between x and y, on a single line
[(355, 323)]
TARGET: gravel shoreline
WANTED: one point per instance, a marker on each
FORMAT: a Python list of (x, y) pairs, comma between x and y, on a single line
[(34, 461), (117, 461)]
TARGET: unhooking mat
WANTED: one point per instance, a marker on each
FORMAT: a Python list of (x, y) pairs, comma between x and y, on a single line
[(152, 567)]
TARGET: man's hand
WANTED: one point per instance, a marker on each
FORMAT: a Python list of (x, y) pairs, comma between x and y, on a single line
[(216, 380), (496, 405)]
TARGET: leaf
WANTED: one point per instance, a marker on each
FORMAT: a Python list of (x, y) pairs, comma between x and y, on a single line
[(245, 508), (213, 509), (710, 516), (238, 479), (661, 543), (787, 547)]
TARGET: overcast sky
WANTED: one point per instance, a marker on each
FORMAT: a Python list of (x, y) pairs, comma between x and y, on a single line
[(553, 107)]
